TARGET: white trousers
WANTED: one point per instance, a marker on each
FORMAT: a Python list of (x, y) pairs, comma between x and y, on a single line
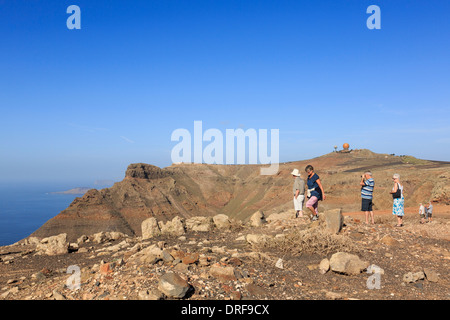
[(298, 203)]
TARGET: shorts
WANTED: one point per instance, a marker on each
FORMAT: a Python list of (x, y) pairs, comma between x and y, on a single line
[(422, 216), (366, 205), (298, 203)]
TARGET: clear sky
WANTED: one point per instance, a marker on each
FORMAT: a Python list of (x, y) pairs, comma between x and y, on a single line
[(83, 104)]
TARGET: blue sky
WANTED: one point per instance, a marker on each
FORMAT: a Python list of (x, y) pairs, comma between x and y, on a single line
[(80, 105)]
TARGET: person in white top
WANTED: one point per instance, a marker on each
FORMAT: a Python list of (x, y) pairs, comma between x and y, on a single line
[(398, 208), (422, 213), (299, 193)]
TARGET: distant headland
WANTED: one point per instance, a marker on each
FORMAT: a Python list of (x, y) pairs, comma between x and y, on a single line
[(79, 190)]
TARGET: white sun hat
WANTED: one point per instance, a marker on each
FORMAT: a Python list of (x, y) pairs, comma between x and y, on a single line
[(296, 173)]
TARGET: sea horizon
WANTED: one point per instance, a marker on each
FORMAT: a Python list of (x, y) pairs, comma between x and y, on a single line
[(26, 206)]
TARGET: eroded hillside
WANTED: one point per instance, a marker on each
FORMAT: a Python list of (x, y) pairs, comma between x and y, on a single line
[(238, 191)]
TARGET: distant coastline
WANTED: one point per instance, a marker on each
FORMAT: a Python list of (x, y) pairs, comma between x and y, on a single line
[(79, 190)]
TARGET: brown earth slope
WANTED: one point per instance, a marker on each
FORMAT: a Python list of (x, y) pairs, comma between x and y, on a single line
[(188, 190)]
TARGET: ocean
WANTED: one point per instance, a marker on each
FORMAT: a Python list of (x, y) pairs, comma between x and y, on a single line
[(26, 207)]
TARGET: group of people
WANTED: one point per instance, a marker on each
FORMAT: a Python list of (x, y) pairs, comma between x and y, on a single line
[(426, 212), (315, 193)]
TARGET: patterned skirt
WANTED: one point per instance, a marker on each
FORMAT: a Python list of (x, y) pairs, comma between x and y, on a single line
[(398, 209)]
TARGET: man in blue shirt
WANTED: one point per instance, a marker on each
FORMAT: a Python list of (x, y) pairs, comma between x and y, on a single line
[(367, 185)]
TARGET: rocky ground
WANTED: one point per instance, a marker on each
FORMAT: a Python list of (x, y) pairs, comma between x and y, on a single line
[(273, 258)]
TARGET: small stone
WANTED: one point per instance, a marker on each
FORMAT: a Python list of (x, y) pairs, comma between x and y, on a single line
[(190, 258), (333, 295), (256, 290), (58, 296), (389, 241), (105, 269), (234, 261), (222, 273), (279, 263), (236, 295), (150, 294), (411, 277), (431, 275), (203, 261), (172, 285), (312, 267), (324, 266), (167, 257), (418, 285)]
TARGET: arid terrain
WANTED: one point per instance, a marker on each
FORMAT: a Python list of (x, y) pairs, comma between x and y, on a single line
[(188, 190), (231, 265), (203, 232)]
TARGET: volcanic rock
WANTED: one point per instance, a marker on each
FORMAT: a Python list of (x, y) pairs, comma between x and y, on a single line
[(53, 245), (347, 263), (173, 286)]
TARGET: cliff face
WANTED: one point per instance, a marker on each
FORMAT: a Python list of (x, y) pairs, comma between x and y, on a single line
[(188, 190)]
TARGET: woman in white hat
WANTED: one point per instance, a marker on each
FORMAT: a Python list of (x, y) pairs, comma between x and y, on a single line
[(299, 193)]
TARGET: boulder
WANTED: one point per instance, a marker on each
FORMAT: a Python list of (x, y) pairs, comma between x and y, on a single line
[(221, 221), (101, 237), (82, 239), (257, 239), (334, 220), (150, 228), (150, 255), (176, 227), (347, 263), (200, 224), (53, 245), (173, 286), (32, 241), (257, 219)]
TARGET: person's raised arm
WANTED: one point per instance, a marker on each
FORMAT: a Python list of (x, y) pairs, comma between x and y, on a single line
[(321, 188)]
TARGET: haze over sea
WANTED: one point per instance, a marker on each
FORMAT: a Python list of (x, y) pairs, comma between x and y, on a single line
[(24, 207)]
